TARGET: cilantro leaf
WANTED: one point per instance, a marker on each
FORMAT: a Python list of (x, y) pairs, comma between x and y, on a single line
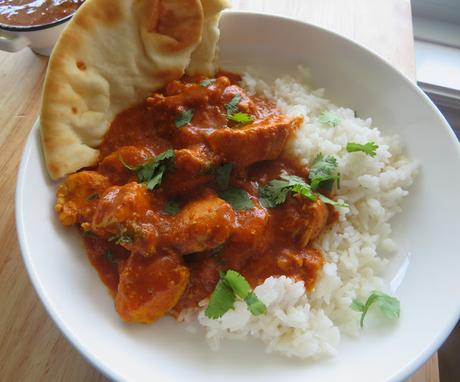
[(232, 106), (389, 306), (255, 306), (238, 283), (329, 118), (357, 305), (207, 82), (299, 186), (109, 255), (275, 192), (231, 285), (240, 117), (172, 207), (223, 175), (222, 300), (184, 118), (216, 253), (122, 238), (327, 200), (368, 148), (238, 198), (323, 172), (156, 178), (151, 172)]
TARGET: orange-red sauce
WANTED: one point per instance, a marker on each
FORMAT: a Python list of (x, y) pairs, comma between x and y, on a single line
[(165, 262), (36, 12)]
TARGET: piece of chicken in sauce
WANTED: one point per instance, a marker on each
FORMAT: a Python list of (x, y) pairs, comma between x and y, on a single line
[(175, 199)]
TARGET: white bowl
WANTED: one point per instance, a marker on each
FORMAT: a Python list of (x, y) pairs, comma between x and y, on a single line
[(427, 231), (40, 38)]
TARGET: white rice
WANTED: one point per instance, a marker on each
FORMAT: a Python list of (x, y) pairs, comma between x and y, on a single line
[(355, 249)]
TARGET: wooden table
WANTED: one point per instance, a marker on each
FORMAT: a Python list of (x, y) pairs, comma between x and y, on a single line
[(31, 347)]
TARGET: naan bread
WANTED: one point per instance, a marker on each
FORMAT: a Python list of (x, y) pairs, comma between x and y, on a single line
[(111, 56), (204, 57)]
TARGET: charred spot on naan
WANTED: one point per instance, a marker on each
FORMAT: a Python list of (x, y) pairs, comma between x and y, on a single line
[(181, 22), (81, 65)]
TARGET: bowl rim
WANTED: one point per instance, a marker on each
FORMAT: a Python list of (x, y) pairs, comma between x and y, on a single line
[(38, 27), (95, 360)]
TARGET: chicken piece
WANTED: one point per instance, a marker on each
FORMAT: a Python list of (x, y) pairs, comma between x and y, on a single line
[(318, 219), (300, 219), (248, 237), (192, 95), (202, 224), (182, 94), (300, 264), (245, 104), (251, 225), (150, 287), (112, 165), (261, 140), (192, 169), (77, 197), (124, 215)]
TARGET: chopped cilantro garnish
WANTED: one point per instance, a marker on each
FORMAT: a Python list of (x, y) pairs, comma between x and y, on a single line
[(275, 192), (151, 172), (388, 305), (109, 255), (184, 118), (329, 118), (122, 238), (323, 172), (217, 250), (238, 283), (327, 200), (232, 285), (232, 106), (255, 306), (216, 253), (222, 300), (298, 186), (87, 233), (240, 117), (237, 198), (223, 175), (92, 197), (172, 207), (368, 148), (208, 82)]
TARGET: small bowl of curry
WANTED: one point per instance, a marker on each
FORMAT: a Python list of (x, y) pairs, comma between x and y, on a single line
[(34, 23)]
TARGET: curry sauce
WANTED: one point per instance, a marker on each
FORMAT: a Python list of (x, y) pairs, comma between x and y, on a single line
[(33, 12), (160, 238)]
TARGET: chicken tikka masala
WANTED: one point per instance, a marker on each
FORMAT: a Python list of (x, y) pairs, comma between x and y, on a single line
[(177, 197)]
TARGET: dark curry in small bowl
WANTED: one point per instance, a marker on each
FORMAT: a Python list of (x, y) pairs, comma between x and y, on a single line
[(25, 14)]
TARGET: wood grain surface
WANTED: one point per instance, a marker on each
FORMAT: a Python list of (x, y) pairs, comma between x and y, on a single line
[(31, 347)]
